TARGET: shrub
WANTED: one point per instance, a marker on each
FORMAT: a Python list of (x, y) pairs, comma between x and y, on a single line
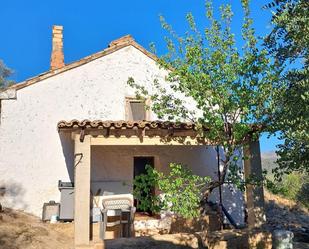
[(181, 190), (294, 186)]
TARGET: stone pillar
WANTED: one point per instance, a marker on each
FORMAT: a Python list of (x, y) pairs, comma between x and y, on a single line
[(82, 170), (254, 193)]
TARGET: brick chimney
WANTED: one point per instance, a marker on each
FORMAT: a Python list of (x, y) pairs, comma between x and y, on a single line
[(57, 56)]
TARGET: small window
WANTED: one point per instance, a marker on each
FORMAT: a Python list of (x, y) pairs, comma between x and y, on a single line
[(135, 110)]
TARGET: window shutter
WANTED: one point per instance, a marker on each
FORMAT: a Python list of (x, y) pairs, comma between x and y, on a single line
[(137, 111)]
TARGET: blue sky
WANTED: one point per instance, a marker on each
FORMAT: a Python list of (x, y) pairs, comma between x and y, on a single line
[(89, 26)]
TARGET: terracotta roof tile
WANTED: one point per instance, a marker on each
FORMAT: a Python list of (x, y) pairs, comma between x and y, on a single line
[(121, 124)]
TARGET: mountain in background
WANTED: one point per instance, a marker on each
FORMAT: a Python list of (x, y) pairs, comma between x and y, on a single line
[(269, 160)]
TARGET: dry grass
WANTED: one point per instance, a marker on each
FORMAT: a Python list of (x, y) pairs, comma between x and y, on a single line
[(20, 230), (287, 203)]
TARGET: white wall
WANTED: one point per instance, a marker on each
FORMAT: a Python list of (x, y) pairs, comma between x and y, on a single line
[(34, 156), (114, 164)]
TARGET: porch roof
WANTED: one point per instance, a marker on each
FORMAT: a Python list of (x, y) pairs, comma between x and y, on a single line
[(134, 132), (122, 124)]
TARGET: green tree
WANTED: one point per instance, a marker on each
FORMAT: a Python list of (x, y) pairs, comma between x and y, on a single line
[(180, 188), (5, 72), (288, 42), (233, 90)]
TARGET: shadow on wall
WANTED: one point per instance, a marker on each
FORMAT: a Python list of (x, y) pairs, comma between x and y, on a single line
[(233, 201), (232, 198), (67, 145), (11, 194)]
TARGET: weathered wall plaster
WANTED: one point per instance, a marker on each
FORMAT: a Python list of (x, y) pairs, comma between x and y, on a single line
[(34, 156)]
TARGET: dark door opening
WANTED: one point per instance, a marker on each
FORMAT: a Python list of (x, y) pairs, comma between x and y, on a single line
[(139, 169)]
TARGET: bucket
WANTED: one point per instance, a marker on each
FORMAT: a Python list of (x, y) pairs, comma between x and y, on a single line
[(54, 219), (96, 214)]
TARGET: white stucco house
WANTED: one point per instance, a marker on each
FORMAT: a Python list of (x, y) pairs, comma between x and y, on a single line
[(42, 130)]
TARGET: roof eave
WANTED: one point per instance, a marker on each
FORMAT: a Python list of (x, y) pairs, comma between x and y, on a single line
[(113, 47)]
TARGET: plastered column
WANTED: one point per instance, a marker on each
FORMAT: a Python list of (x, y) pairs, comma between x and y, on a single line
[(82, 191), (254, 193)]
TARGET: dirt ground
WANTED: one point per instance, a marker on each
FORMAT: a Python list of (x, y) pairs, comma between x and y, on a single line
[(19, 230), (285, 214)]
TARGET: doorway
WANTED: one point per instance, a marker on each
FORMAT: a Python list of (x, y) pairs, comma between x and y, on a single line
[(140, 163)]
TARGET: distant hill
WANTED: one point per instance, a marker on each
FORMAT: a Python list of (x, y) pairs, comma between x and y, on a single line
[(268, 160)]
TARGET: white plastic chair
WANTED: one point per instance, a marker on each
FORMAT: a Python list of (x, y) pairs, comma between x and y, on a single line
[(121, 206)]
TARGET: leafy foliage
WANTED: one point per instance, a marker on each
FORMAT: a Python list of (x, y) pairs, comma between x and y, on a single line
[(5, 72), (214, 85), (289, 44), (290, 36), (294, 186), (180, 190), (303, 194), (143, 190)]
